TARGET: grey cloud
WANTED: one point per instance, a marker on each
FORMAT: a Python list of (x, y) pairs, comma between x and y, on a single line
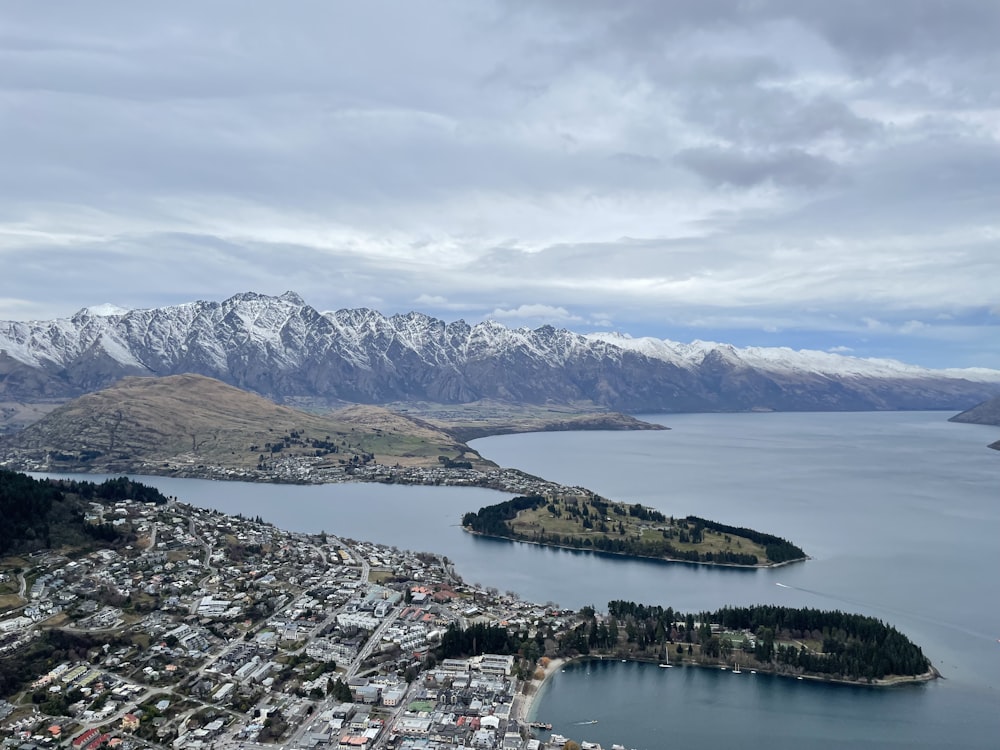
[(789, 168), (636, 160), (857, 27), (754, 116), (499, 155)]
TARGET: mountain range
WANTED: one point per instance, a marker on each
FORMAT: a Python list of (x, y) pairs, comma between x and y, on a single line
[(284, 349)]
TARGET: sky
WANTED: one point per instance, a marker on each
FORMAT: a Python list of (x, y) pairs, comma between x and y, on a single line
[(821, 175)]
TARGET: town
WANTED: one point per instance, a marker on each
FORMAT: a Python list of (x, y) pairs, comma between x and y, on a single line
[(213, 631)]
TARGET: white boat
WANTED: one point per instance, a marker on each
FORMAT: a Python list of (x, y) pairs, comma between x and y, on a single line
[(736, 668)]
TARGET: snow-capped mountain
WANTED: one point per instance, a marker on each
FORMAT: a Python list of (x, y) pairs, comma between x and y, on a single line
[(282, 348)]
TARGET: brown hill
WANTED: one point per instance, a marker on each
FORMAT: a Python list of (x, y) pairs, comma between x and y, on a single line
[(182, 423)]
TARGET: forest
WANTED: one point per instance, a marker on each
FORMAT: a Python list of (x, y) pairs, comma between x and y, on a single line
[(830, 643)]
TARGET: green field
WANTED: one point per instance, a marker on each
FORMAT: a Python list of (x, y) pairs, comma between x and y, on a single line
[(579, 517)]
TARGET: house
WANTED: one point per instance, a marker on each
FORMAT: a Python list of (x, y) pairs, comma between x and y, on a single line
[(130, 722)]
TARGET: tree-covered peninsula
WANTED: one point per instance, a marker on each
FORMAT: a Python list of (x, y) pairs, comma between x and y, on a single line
[(590, 522), (832, 645), (826, 645)]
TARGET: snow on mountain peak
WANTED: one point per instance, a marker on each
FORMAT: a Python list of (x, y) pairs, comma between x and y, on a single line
[(283, 348), (107, 310), (784, 359)]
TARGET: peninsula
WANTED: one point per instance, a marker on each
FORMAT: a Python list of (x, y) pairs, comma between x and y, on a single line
[(986, 413), (584, 520), (127, 616)]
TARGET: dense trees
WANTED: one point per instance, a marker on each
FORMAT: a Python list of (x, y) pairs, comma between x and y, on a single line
[(26, 507), (41, 513), (493, 518), (476, 640), (852, 646), (778, 549)]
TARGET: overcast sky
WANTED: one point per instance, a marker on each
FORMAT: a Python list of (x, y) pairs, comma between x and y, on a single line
[(771, 172)]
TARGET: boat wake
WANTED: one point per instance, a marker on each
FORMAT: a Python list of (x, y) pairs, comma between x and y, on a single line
[(878, 607)]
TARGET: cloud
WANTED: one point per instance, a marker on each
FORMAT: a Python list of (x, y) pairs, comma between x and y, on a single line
[(840, 349), (791, 168), (913, 326), (537, 312), (431, 300), (761, 166)]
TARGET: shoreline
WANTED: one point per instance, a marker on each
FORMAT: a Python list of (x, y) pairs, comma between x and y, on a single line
[(526, 707), (525, 711), (672, 560)]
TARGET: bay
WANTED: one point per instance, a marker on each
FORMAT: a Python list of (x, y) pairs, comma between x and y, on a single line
[(644, 707), (899, 512)]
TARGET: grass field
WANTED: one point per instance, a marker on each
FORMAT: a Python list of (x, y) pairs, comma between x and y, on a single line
[(9, 601), (583, 517)]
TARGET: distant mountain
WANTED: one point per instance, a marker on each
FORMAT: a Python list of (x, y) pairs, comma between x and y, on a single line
[(986, 413), (283, 349), (181, 424)]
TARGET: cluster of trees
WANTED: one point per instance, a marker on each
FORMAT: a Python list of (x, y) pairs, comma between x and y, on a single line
[(321, 446), (454, 463), (495, 639), (21, 667), (25, 506), (778, 549), (114, 490), (475, 640), (853, 646), (493, 519), (38, 514)]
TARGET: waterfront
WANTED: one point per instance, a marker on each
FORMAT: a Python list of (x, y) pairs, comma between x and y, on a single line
[(898, 511), (645, 707)]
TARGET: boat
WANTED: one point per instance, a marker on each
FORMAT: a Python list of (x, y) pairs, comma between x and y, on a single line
[(540, 725), (736, 668), (666, 666)]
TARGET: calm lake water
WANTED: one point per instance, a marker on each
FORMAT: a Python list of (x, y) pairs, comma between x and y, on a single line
[(900, 512)]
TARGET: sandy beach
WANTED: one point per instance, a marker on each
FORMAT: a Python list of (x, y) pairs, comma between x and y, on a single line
[(525, 703)]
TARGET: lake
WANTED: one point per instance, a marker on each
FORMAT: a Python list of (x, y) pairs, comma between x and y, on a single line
[(899, 512)]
